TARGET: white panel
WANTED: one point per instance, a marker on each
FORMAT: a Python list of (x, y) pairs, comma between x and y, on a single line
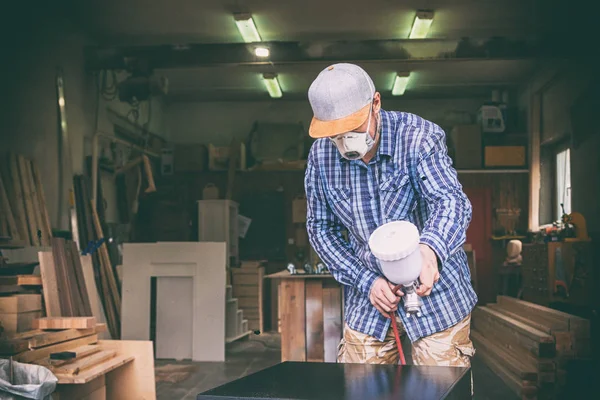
[(174, 317), (205, 262)]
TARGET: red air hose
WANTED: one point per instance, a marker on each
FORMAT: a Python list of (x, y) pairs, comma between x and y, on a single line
[(396, 333)]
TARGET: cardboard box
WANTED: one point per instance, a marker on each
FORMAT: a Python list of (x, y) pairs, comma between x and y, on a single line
[(190, 157), (466, 141), (299, 210), (505, 156)]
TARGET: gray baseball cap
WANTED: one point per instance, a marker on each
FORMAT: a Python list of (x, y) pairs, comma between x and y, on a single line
[(340, 98)]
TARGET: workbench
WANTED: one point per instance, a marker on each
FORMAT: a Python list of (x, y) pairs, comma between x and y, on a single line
[(307, 381), (311, 316)]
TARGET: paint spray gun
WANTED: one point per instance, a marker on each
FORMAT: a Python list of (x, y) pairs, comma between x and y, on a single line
[(396, 246)]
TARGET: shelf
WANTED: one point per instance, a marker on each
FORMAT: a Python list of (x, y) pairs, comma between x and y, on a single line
[(508, 237)]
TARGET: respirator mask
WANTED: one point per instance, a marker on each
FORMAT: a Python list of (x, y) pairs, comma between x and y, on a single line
[(354, 145)]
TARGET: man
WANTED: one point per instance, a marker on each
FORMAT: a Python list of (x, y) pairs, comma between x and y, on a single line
[(369, 167)]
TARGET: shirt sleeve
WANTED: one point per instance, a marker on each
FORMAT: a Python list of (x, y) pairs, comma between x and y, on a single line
[(325, 236), (449, 208)]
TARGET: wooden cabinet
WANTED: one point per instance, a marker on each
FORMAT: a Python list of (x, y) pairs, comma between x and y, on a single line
[(558, 272)]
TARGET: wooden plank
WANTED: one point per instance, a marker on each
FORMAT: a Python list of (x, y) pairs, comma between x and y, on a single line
[(81, 285), (28, 174), (58, 337), (82, 391), (247, 302), (21, 303), (293, 333), (135, 380), (85, 363), (80, 353), (27, 200), (513, 364), (95, 303), (8, 213), (65, 323), (19, 322), (95, 372), (510, 379), (543, 327), (314, 322), (16, 206), (261, 298), (21, 280), (541, 344), (332, 321), (580, 326), (26, 334), (49, 284), (18, 203), (37, 354), (62, 278), (46, 226)]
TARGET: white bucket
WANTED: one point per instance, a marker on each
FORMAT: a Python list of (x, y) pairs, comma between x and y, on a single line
[(396, 246)]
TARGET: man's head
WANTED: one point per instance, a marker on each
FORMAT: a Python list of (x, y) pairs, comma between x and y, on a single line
[(345, 107)]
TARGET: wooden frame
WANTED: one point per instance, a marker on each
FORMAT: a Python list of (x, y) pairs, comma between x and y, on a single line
[(205, 263)]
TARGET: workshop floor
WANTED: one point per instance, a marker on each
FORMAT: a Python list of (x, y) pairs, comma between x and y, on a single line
[(181, 380)]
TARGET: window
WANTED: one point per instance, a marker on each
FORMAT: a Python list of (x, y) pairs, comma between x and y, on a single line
[(563, 182)]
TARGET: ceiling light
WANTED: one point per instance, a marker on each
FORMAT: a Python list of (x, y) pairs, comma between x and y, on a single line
[(261, 52), (421, 25), (400, 83), (245, 25), (272, 85)]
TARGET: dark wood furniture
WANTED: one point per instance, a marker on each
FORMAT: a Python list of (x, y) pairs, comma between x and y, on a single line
[(307, 381)]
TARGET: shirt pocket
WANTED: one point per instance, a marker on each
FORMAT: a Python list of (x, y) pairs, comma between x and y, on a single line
[(398, 199), (341, 204)]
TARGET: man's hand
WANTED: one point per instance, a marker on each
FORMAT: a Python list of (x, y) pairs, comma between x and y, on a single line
[(429, 271), (382, 297)]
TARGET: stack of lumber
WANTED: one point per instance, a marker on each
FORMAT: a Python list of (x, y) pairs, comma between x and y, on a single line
[(65, 291), (527, 345), (23, 214), (17, 312), (91, 233), (248, 288)]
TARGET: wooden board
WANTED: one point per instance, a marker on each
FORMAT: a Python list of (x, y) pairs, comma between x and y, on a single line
[(65, 323), (95, 372), (15, 199), (50, 338), (21, 280), (7, 214), (80, 353), (245, 291), (245, 279), (50, 285), (46, 226), (510, 379), (542, 344), (21, 303), (32, 355), (135, 380), (86, 308), (84, 363), (314, 322), (580, 326), (84, 391), (43, 236), (293, 333), (28, 201), (62, 278), (332, 321), (92, 290), (19, 322)]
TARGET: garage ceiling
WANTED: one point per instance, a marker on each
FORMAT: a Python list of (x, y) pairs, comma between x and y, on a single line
[(131, 25)]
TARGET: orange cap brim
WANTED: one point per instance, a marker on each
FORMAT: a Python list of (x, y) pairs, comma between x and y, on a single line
[(321, 129)]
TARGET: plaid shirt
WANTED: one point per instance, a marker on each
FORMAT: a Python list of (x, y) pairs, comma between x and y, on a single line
[(410, 178)]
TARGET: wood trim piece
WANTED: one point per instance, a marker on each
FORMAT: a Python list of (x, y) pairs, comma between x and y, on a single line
[(32, 355), (293, 333), (315, 351), (50, 284)]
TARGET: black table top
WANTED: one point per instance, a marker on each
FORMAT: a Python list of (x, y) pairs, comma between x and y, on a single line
[(308, 381)]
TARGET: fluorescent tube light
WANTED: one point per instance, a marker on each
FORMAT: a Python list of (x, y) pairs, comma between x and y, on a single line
[(421, 25), (262, 52), (245, 25), (400, 84), (272, 85)]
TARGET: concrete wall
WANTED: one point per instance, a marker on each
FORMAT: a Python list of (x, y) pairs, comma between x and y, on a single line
[(43, 39), (218, 122)]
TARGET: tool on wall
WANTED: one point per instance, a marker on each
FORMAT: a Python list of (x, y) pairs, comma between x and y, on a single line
[(65, 161)]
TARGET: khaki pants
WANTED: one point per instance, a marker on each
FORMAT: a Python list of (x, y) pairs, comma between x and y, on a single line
[(452, 347)]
